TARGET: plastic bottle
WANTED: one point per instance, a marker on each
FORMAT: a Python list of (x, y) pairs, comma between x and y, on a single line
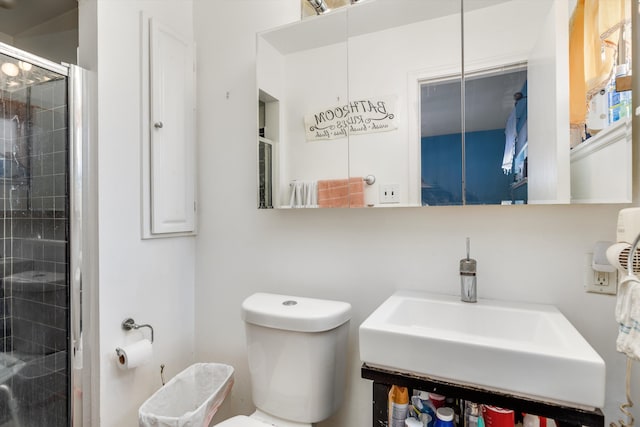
[(412, 422), (622, 70), (619, 101), (530, 420), (613, 101), (423, 404), (427, 420), (436, 399), (471, 414), (498, 417), (398, 406), (444, 417)]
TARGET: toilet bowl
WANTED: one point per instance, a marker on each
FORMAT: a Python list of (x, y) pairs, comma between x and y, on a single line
[(259, 419), (297, 353)]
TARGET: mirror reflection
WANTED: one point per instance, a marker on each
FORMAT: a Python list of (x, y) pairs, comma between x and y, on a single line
[(495, 139), (302, 71), (600, 106), (388, 103)]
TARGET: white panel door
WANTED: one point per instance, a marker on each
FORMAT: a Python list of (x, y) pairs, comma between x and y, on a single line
[(172, 131)]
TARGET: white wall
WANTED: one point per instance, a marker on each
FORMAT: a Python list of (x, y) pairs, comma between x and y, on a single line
[(525, 253), (56, 39), (152, 280)]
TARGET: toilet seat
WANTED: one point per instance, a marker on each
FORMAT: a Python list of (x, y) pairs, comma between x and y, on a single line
[(241, 421)]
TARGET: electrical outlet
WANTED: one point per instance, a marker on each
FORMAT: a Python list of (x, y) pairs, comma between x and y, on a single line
[(390, 193), (599, 282), (601, 278)]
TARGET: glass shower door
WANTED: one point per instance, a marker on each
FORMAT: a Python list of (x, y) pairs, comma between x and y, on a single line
[(34, 270)]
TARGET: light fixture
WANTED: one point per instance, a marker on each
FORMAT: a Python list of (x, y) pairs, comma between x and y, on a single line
[(319, 6), (10, 69), (24, 66)]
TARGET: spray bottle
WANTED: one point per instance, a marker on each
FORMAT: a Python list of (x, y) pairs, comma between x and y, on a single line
[(398, 406)]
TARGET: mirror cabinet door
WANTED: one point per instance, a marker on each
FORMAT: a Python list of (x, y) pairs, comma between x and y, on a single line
[(510, 101), (399, 50), (302, 143), (600, 100), (543, 115)]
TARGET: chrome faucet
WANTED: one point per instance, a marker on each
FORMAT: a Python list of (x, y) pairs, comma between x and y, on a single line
[(468, 281)]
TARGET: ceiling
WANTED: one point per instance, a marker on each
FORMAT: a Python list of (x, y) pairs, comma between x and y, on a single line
[(488, 98), (30, 13)]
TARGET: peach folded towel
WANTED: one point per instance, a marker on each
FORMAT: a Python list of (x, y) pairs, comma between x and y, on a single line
[(341, 193)]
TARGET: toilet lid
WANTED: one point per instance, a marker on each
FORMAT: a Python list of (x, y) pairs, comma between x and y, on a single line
[(241, 421)]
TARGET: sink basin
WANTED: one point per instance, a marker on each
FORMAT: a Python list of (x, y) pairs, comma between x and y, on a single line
[(529, 350)]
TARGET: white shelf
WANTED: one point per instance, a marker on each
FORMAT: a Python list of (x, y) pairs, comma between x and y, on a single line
[(616, 132)]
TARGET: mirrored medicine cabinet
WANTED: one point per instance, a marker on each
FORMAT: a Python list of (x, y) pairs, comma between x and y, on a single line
[(389, 103)]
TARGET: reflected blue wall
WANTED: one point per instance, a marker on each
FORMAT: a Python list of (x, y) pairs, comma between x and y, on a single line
[(442, 169)]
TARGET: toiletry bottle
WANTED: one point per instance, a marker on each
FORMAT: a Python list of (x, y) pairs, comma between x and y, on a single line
[(427, 405), (412, 422), (420, 401), (498, 417), (613, 98), (530, 420), (398, 405), (427, 420), (471, 414), (422, 404), (444, 417), (436, 399)]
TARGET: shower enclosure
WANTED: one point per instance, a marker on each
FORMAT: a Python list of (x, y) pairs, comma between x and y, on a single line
[(39, 308)]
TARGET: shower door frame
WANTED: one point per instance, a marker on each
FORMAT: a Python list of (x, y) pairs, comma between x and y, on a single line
[(83, 247), (82, 234)]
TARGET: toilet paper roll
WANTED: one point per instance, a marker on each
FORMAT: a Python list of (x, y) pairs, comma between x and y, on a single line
[(134, 355)]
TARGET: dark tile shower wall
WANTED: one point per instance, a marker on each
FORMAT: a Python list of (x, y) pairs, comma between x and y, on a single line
[(35, 307)]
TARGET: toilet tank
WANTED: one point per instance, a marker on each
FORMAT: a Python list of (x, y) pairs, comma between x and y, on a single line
[(297, 351)]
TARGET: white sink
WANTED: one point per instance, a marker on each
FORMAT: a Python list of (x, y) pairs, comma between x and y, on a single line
[(526, 349)]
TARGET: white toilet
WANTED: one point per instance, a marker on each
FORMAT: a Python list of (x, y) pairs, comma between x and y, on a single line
[(297, 350)]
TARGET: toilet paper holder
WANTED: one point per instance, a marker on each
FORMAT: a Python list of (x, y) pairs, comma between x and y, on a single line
[(129, 324)]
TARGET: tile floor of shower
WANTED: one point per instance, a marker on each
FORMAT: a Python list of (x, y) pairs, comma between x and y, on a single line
[(34, 318)]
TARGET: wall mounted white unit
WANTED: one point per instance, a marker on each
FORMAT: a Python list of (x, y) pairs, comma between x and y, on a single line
[(168, 128)]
